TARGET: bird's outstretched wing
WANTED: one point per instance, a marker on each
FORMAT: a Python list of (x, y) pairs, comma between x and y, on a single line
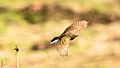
[(73, 29)]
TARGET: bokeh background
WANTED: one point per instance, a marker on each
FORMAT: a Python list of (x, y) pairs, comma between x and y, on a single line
[(31, 24)]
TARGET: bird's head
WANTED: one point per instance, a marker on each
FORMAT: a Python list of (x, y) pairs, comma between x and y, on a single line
[(54, 40)]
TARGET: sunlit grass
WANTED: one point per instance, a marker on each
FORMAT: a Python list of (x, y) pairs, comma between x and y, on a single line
[(77, 52)]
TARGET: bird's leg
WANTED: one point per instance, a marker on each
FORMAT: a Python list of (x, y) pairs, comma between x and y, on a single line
[(73, 37)]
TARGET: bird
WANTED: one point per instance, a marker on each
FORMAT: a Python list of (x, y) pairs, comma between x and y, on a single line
[(62, 42)]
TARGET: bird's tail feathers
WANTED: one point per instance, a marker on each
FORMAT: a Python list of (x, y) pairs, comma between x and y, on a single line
[(62, 50)]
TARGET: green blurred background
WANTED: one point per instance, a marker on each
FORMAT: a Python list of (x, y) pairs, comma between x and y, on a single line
[(31, 24)]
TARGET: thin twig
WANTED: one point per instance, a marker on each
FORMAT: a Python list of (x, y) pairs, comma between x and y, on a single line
[(17, 57)]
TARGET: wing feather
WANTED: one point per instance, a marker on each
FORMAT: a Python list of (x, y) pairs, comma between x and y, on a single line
[(74, 28)]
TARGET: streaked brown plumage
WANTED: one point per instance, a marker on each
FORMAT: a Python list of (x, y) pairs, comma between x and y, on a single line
[(70, 33)]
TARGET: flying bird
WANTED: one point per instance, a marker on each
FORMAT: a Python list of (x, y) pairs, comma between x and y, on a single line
[(71, 32)]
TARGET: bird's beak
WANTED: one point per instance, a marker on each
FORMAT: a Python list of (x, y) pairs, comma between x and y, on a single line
[(51, 43)]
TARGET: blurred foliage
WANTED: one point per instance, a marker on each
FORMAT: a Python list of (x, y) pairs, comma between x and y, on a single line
[(40, 11), (2, 28)]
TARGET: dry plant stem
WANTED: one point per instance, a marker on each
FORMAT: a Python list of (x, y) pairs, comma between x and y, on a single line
[(17, 60)]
